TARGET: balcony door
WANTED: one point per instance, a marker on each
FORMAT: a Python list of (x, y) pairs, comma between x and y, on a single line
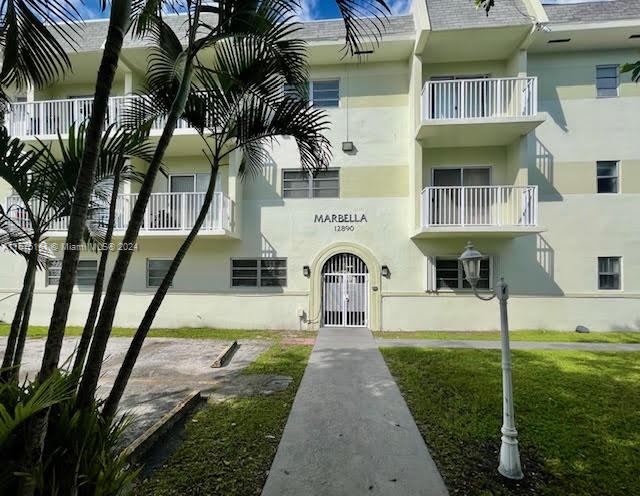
[(457, 199), (186, 196), (456, 97)]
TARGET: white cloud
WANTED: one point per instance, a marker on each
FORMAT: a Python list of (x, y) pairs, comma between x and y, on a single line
[(309, 10), (399, 6)]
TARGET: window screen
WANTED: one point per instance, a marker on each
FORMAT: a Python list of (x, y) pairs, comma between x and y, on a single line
[(259, 272), (607, 80), (609, 272), (303, 184), (607, 172), (156, 270), (450, 274)]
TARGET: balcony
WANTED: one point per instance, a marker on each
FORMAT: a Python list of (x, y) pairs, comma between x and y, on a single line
[(167, 214), (478, 112), (495, 211), (47, 118)]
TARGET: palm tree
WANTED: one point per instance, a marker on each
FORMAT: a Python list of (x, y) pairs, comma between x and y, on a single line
[(117, 147), (243, 108), (268, 23)]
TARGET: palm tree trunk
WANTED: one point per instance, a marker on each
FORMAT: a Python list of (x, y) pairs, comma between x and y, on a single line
[(9, 353), (87, 332), (24, 329), (118, 26), (89, 381), (112, 402)]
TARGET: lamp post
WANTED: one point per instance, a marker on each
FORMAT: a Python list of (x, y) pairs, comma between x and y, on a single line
[(509, 454)]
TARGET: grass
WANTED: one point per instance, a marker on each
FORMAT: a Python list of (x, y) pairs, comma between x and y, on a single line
[(577, 413), (229, 447), (533, 335), (183, 332)]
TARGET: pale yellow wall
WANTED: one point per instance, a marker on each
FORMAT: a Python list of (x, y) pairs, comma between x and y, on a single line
[(374, 181)]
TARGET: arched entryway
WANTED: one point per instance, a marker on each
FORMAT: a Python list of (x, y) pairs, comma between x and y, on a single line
[(370, 266), (345, 291)]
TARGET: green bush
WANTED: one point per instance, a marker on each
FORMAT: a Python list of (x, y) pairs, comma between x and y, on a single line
[(81, 450)]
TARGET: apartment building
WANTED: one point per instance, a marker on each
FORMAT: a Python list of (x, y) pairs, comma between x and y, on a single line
[(515, 131)]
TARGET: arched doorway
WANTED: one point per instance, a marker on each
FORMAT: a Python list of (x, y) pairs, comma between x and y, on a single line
[(345, 291)]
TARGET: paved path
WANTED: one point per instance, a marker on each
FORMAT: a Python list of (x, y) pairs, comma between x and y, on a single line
[(516, 345), (350, 432), (165, 373)]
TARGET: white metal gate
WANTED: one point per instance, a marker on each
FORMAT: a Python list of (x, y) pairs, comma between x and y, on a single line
[(345, 292)]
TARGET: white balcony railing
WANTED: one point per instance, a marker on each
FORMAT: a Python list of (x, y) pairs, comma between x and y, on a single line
[(497, 206), (166, 212), (50, 117), (480, 98)]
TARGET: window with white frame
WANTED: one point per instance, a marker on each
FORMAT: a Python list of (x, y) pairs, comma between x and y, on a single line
[(609, 272), (450, 274), (607, 81), (321, 93), (608, 176), (297, 183), (86, 274), (259, 272), (156, 270)]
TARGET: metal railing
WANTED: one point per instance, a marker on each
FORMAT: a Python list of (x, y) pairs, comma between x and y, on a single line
[(165, 212), (50, 117), (499, 206), (482, 98)]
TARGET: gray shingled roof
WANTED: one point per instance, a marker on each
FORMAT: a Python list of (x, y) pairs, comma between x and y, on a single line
[(462, 14), (94, 32), (593, 11)]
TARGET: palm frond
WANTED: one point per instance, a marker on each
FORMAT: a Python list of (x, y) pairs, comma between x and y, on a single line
[(365, 22), (486, 5), (634, 69), (32, 35)]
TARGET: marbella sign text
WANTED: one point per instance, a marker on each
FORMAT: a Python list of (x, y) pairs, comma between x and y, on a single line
[(343, 222)]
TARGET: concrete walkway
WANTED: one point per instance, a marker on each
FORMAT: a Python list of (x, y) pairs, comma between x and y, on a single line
[(515, 345), (350, 431)]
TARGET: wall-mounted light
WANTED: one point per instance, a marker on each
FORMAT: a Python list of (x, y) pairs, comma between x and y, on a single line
[(385, 271), (347, 146), (306, 271)]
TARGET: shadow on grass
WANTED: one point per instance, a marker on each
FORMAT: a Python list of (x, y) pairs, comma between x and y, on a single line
[(577, 413)]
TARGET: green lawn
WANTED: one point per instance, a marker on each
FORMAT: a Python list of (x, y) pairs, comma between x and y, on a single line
[(229, 447), (577, 413), (537, 335), (184, 332)]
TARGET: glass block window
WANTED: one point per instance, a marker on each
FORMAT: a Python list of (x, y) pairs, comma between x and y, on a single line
[(259, 272), (608, 176), (609, 271), (156, 270), (450, 274), (298, 183), (86, 275), (607, 80)]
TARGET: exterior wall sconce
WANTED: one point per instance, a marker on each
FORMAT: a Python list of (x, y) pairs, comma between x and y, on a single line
[(306, 271), (347, 146), (385, 271)]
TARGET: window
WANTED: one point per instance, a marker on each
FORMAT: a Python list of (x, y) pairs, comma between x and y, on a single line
[(259, 272), (450, 274), (156, 270), (607, 172), (324, 94), (609, 272), (86, 275), (298, 183), (607, 80)]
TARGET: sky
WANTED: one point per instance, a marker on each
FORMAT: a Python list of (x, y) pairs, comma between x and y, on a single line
[(311, 9)]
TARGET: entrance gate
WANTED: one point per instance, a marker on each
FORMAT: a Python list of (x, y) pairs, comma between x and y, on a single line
[(345, 292)]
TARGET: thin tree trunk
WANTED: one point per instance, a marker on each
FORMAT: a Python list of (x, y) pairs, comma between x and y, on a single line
[(9, 353), (87, 332), (24, 329), (118, 25), (92, 369), (111, 405)]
